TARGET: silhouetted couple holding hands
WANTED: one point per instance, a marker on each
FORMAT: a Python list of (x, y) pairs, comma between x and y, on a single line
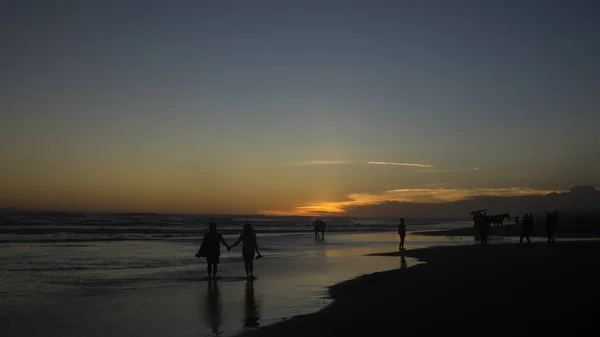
[(211, 249)]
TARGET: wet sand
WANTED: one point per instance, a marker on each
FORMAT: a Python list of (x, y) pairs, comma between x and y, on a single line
[(497, 290)]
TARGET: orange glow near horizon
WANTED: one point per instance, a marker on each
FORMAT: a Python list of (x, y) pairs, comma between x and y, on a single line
[(180, 202), (439, 195)]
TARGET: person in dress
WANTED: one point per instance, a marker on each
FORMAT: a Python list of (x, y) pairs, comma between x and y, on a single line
[(249, 248)]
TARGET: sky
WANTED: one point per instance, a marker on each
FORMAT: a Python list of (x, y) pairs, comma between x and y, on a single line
[(294, 107)]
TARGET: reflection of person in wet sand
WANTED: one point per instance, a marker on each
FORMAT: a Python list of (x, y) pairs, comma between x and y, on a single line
[(402, 233), (249, 247), (213, 307), (211, 249), (250, 307), (402, 262)]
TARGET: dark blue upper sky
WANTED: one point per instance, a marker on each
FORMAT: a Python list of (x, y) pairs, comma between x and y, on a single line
[(231, 89)]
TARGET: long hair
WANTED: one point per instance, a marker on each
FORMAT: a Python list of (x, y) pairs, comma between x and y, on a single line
[(248, 230)]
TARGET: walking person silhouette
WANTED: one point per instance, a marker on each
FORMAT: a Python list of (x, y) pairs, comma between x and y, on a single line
[(211, 249), (526, 227), (249, 247), (551, 224)]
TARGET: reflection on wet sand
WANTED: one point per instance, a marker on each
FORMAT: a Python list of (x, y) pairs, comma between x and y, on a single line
[(402, 262), (213, 307), (320, 248), (251, 307)]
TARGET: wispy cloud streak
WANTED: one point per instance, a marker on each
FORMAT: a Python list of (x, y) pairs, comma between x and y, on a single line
[(400, 164), (318, 162), (434, 170)]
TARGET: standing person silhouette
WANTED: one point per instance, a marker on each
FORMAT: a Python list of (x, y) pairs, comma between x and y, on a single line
[(526, 226), (211, 249), (484, 226), (249, 247), (316, 226), (402, 233), (551, 224), (549, 220), (322, 228)]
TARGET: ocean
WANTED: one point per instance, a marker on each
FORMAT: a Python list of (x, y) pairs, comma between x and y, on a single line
[(71, 274)]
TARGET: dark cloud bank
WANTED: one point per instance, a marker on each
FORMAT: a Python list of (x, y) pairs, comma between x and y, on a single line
[(581, 197)]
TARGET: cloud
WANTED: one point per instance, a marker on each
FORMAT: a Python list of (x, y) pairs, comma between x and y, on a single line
[(318, 162), (434, 170), (427, 168), (399, 164), (407, 195)]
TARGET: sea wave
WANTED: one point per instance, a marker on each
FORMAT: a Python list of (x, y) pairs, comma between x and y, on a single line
[(56, 227)]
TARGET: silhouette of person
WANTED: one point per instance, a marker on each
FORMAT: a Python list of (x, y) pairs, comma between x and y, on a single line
[(402, 233), (316, 225), (551, 224), (250, 307), (549, 221), (249, 247), (531, 223), (484, 226), (323, 225), (476, 229), (526, 226), (213, 307), (211, 249)]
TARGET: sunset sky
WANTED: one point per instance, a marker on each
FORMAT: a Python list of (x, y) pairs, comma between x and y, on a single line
[(294, 107)]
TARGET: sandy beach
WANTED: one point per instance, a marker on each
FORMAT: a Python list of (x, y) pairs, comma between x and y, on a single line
[(497, 290), (514, 230)]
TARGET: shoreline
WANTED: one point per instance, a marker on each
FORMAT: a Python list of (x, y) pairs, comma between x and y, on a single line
[(465, 290)]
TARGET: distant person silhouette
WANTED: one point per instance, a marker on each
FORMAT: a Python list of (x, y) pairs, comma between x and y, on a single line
[(251, 311), (526, 226), (402, 234), (213, 307), (323, 225), (551, 224), (249, 247), (531, 223), (211, 249), (316, 227), (484, 228)]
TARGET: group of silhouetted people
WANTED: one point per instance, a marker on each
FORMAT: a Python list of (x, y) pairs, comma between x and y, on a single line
[(211, 249), (482, 224), (319, 226)]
